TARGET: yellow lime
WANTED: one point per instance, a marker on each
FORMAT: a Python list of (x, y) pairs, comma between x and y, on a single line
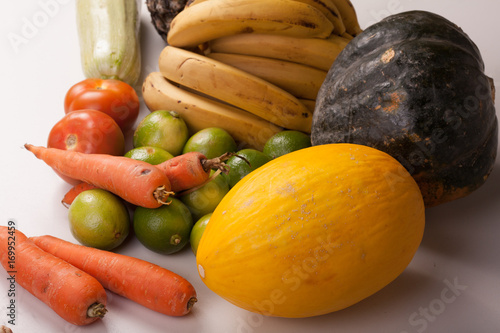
[(165, 229), (285, 142), (151, 155), (197, 231), (99, 219), (211, 142), (204, 199), (163, 129), (246, 161)]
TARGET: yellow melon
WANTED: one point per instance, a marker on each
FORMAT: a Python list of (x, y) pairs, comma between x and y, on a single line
[(313, 231)]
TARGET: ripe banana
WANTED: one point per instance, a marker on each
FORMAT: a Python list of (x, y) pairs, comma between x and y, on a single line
[(325, 6), (315, 52), (339, 40), (347, 36), (235, 87), (349, 17), (208, 20), (328, 8), (299, 80), (200, 112)]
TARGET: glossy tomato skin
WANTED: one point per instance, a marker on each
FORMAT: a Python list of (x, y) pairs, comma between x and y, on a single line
[(87, 131), (113, 97)]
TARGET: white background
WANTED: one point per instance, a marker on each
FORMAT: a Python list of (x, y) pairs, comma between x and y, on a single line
[(460, 246)]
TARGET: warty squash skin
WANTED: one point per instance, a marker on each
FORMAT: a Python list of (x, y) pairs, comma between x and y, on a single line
[(313, 231), (413, 85)]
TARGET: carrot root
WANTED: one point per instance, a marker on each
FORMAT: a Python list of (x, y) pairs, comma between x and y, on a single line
[(184, 171), (140, 281), (192, 170), (74, 295), (161, 195), (137, 182), (217, 163), (191, 302), (96, 310)]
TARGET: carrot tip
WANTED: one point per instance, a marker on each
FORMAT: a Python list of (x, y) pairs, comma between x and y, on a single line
[(161, 195), (96, 310), (191, 302), (218, 162)]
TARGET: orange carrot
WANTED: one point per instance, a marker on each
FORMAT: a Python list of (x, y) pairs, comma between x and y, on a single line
[(140, 281), (73, 294), (137, 182), (74, 191), (191, 169)]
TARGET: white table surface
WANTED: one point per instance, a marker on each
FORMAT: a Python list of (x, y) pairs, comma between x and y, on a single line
[(452, 285)]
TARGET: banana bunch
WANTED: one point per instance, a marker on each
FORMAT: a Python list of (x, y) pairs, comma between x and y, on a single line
[(252, 67)]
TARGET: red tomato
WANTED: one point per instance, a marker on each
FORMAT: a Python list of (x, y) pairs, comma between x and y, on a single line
[(114, 97), (87, 131)]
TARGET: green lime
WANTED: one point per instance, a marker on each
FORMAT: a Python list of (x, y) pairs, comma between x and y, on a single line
[(163, 129), (211, 142), (285, 142), (197, 231), (165, 229), (204, 199), (99, 219), (152, 155), (246, 161)]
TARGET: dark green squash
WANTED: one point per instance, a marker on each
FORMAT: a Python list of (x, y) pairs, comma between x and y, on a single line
[(413, 85)]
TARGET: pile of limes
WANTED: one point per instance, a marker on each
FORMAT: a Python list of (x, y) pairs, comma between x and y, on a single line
[(160, 136)]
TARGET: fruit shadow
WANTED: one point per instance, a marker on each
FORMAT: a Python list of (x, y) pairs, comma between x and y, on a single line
[(464, 229), (391, 306)]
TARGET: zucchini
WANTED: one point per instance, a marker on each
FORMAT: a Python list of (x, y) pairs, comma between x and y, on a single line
[(108, 32)]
